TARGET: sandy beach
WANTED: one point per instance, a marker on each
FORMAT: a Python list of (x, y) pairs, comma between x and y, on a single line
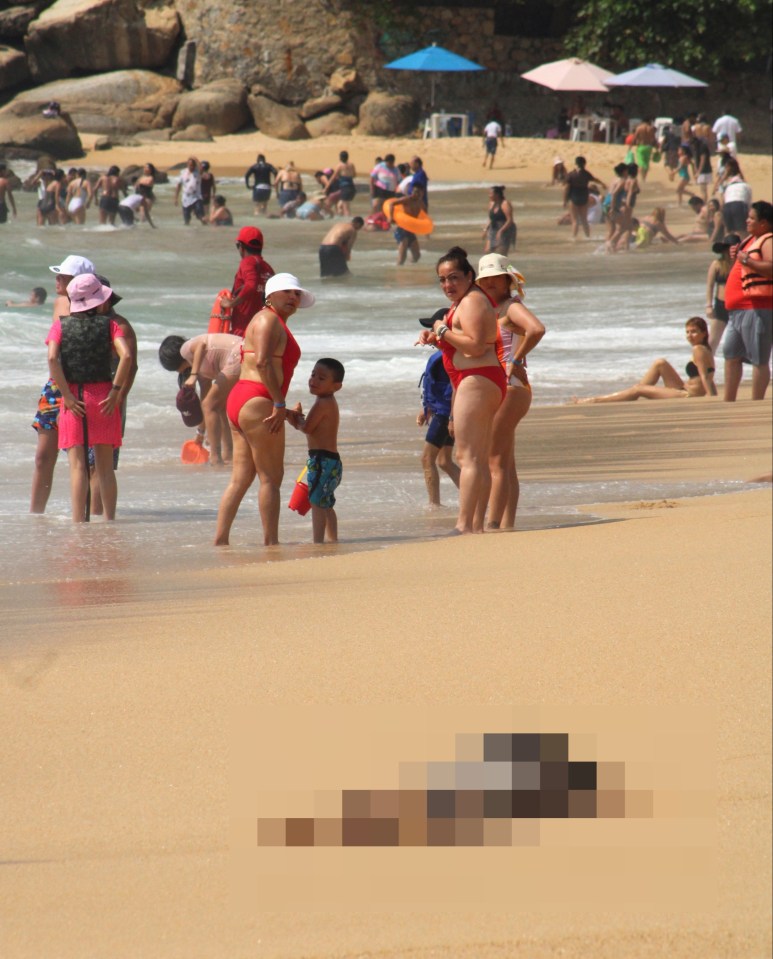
[(144, 721), (148, 721), (457, 159)]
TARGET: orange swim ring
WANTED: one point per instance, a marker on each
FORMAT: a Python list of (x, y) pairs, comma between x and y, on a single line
[(220, 317), (420, 225)]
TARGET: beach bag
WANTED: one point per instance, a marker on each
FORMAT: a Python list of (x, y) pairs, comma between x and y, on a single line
[(86, 351), (656, 156)]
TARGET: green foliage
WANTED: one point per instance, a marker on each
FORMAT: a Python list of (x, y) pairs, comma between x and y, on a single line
[(703, 35)]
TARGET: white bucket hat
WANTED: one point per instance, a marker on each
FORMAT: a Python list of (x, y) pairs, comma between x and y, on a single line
[(286, 281)]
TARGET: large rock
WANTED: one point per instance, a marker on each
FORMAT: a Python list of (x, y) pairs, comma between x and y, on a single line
[(75, 36), (332, 124), (15, 20), (23, 127), (276, 120), (345, 82), (220, 106), (197, 133), (122, 102), (288, 47), (13, 68), (388, 115), (319, 105)]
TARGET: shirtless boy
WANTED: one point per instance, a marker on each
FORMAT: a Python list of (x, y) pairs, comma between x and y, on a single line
[(323, 466)]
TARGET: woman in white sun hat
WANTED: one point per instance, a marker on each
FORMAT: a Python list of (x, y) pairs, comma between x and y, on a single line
[(520, 331), (257, 406)]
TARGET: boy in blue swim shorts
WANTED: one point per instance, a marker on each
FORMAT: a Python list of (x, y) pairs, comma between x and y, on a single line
[(323, 467)]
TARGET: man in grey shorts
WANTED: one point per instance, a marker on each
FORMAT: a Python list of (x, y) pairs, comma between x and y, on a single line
[(750, 326)]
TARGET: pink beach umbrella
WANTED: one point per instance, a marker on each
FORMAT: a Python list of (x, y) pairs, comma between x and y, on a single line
[(573, 75)]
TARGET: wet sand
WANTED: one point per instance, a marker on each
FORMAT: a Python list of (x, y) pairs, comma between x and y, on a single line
[(142, 717)]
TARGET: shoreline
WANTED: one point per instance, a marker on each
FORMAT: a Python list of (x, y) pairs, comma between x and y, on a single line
[(145, 714), (455, 159)]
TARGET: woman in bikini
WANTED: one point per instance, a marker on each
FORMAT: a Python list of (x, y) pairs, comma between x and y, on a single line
[(257, 408), (520, 332), (700, 373), (468, 336), (576, 196), (500, 231)]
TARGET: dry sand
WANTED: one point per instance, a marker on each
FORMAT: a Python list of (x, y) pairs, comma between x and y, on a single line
[(455, 159), (140, 721)]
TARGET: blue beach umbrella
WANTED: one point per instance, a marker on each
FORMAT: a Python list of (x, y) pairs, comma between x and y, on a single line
[(434, 59), (653, 75)]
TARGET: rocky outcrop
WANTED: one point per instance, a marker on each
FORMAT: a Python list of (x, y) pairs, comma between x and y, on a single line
[(387, 115), (337, 123), (196, 132), (220, 106), (24, 130), (317, 106), (346, 83), (290, 49), (13, 68), (15, 19), (122, 102), (79, 36), (276, 120)]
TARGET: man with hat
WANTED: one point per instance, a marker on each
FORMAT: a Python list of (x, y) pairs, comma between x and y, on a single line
[(46, 419), (248, 291)]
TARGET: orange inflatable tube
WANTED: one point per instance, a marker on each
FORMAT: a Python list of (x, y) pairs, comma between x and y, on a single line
[(421, 225), (220, 317)]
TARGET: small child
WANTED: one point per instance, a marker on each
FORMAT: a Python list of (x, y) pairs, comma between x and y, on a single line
[(436, 394), (323, 467)]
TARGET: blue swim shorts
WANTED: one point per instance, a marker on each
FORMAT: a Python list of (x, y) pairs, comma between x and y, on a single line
[(324, 471), (437, 434)]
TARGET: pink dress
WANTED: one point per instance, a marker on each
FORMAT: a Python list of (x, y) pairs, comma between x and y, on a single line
[(102, 429)]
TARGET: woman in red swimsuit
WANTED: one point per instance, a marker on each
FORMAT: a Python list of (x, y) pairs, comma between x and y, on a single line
[(468, 336), (520, 332), (256, 407)]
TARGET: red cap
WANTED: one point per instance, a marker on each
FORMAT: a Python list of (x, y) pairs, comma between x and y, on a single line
[(250, 236)]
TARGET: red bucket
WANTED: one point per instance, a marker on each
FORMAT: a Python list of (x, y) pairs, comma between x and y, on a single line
[(299, 501)]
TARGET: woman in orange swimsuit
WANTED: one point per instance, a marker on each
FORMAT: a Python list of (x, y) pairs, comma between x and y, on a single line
[(256, 407), (520, 332), (468, 336)]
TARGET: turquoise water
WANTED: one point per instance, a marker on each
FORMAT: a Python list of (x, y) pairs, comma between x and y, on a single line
[(606, 319)]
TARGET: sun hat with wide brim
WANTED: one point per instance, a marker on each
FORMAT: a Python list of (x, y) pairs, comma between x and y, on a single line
[(495, 264), (87, 293), (286, 281)]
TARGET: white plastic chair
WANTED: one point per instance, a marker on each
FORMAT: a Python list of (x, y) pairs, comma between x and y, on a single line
[(582, 128)]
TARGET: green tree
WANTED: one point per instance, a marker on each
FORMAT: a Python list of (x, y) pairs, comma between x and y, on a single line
[(704, 35)]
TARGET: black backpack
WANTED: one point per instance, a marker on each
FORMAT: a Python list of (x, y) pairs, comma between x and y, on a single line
[(86, 350)]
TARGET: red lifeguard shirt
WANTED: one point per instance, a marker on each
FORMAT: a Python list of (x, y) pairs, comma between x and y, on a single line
[(250, 283)]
